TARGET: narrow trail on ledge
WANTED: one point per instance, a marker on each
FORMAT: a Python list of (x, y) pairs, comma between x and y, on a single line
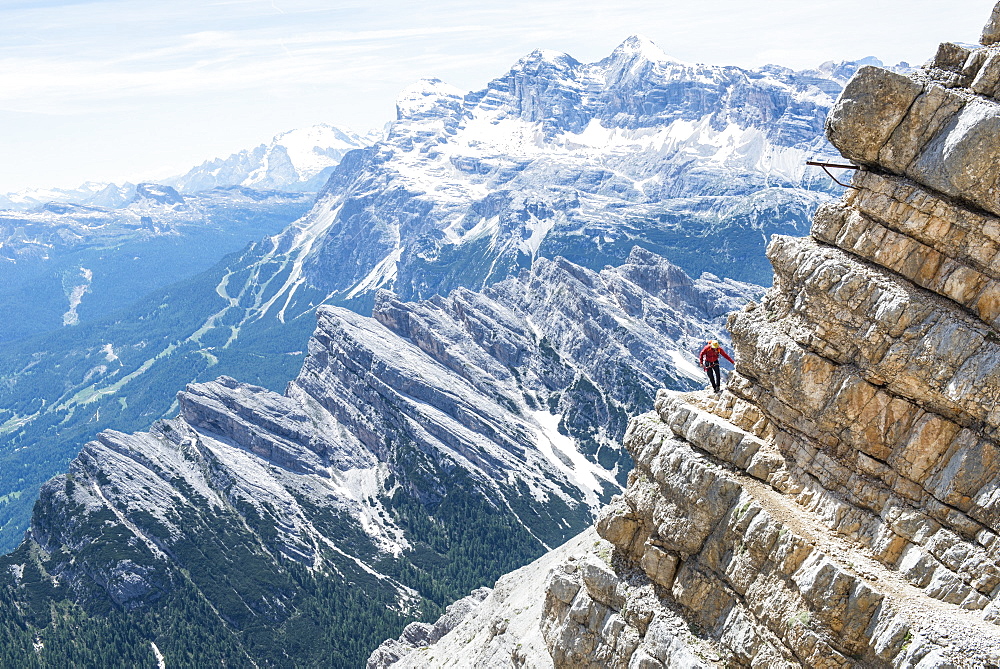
[(928, 616)]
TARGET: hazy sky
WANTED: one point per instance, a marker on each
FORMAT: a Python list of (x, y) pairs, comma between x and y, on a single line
[(138, 89)]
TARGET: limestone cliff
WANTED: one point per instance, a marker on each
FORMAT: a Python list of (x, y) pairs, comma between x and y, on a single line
[(838, 505)]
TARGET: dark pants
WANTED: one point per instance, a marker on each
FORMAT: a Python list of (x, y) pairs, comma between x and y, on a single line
[(714, 375)]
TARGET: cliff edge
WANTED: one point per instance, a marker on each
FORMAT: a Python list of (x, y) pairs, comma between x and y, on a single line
[(838, 505)]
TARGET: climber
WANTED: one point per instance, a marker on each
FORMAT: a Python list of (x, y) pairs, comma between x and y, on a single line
[(709, 361)]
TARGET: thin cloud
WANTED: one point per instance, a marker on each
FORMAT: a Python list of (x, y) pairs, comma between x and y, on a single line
[(207, 61)]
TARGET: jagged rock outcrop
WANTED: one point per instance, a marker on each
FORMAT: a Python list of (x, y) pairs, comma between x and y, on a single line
[(418, 635), (501, 630), (839, 504)]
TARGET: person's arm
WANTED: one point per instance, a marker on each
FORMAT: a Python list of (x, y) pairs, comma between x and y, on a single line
[(701, 356), (726, 355)]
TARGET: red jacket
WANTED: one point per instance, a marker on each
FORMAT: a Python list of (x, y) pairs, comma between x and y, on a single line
[(711, 355)]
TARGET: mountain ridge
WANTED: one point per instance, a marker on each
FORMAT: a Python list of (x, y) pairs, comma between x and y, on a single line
[(498, 408)]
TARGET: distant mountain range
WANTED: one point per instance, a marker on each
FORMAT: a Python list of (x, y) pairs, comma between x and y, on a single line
[(700, 164), (296, 161), (61, 264)]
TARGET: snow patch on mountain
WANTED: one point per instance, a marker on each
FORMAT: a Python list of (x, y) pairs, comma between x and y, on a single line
[(684, 365), (643, 47), (305, 233), (382, 274), (426, 95), (565, 455), (75, 295)]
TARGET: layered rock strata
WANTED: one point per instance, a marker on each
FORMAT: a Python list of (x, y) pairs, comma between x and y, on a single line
[(839, 504)]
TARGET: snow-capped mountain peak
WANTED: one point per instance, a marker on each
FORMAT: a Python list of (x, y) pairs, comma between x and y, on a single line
[(309, 150), (642, 47), (559, 157), (297, 160)]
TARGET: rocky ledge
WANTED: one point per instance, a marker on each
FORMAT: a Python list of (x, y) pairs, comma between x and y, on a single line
[(838, 505)]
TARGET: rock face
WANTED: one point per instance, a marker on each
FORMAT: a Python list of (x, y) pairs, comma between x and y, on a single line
[(498, 627), (421, 635), (839, 504), (426, 448)]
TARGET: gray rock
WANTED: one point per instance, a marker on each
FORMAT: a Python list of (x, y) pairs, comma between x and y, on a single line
[(951, 57), (928, 127), (422, 635), (991, 31), (869, 109)]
